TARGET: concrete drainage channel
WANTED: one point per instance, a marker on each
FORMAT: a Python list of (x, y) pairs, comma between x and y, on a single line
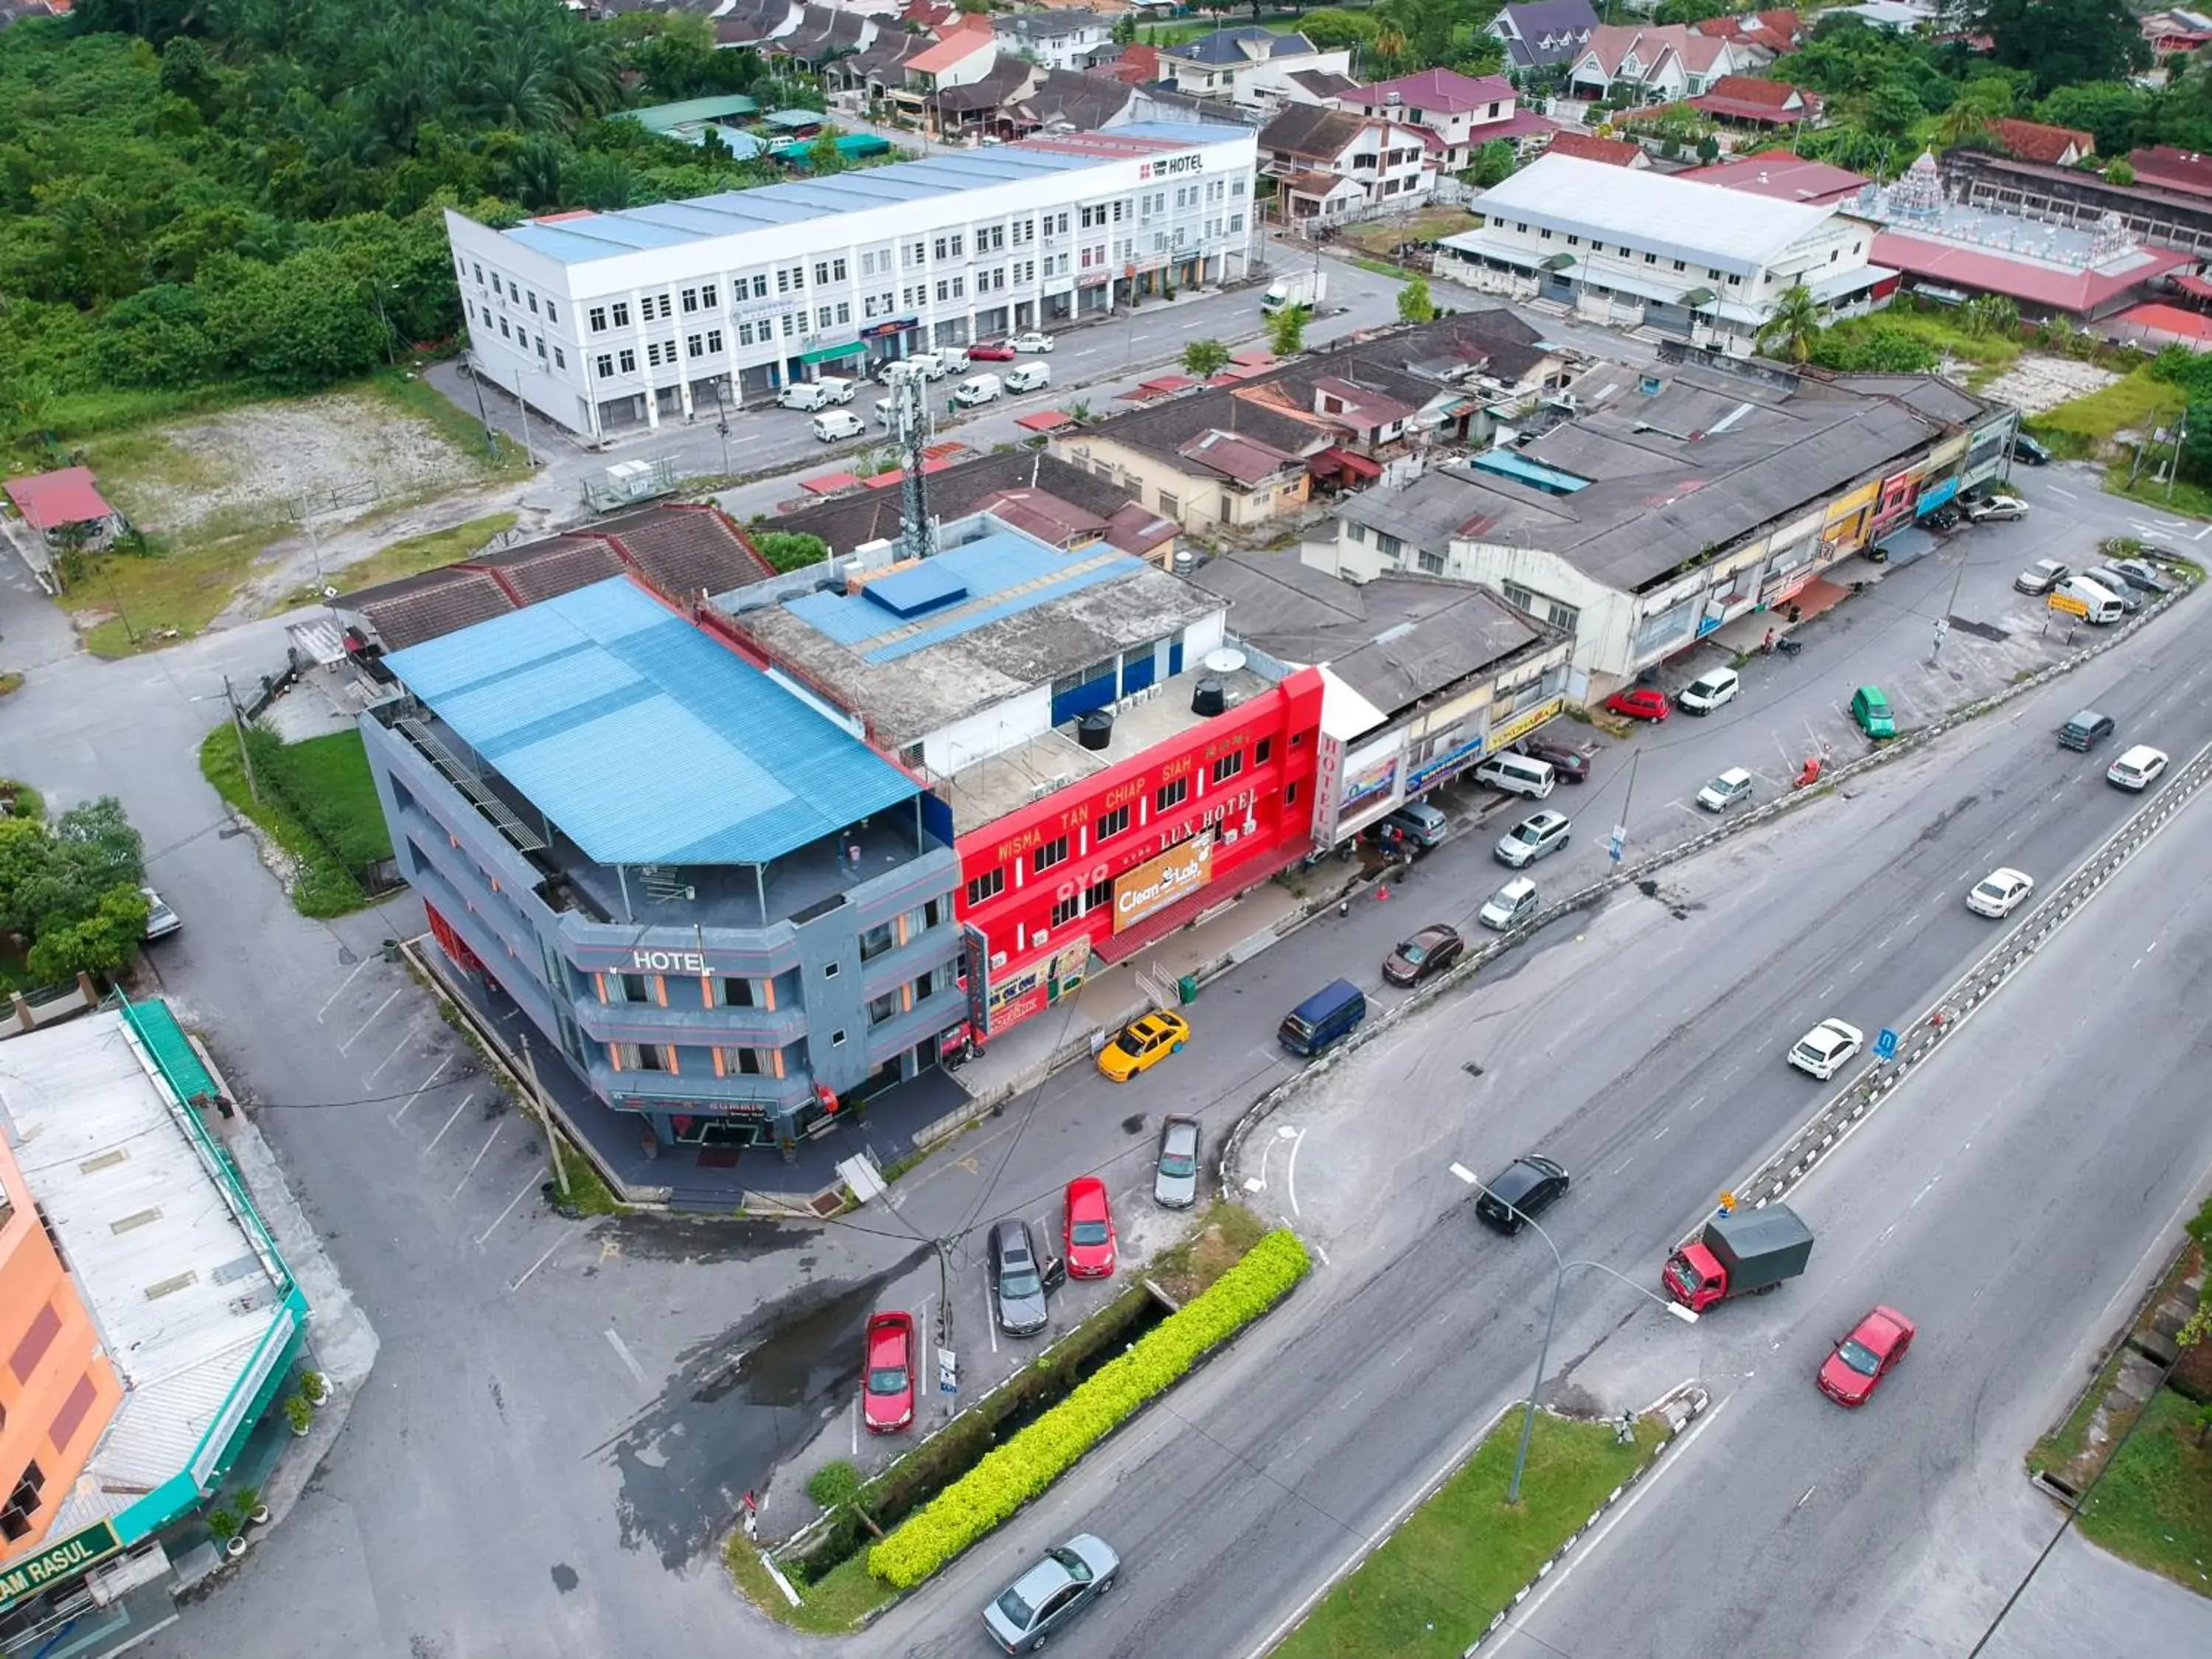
[(1475, 961)]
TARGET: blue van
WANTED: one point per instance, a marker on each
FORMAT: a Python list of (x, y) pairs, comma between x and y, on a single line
[(1330, 1013)]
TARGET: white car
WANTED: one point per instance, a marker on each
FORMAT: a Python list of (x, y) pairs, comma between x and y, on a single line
[(1823, 1050), (2139, 768), (1731, 788), (2000, 893), (1031, 341), (1996, 507), (1707, 691), (1535, 836), (1510, 905), (161, 920)]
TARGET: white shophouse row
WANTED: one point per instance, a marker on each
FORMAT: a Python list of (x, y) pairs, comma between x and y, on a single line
[(604, 321)]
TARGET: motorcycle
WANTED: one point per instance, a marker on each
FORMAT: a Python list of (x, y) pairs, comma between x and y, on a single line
[(1788, 646), (1810, 774)]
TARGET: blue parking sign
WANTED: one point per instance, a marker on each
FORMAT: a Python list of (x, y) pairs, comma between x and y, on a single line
[(1885, 1045)]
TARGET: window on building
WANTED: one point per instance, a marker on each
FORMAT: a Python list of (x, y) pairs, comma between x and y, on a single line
[(877, 940), (1066, 910), (829, 970), (1389, 546), (844, 311), (479, 276), (630, 988), (1356, 532), (1112, 823), (619, 310), (988, 885), (627, 359), (747, 1062), (602, 365), (714, 340), (533, 305), (837, 1039), (1171, 794), (503, 334), (937, 912), (1171, 505), (760, 285), (1228, 766), (22, 1503), (1431, 564), (36, 1340), (1289, 795), (1047, 854), (732, 991), (1262, 750), (882, 1008), (559, 360), (1098, 895)]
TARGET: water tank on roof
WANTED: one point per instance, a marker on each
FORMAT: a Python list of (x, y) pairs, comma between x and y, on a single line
[(1095, 730), (1207, 698)]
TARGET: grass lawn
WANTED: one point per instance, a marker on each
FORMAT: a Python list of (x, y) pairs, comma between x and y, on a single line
[(2136, 403), (171, 593), (414, 555), (2194, 500), (1396, 273), (2153, 1506), (1428, 225), (316, 802), (1440, 1579), (833, 1607)]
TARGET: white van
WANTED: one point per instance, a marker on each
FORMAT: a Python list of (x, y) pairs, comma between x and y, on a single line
[(935, 365), (816, 394), (1029, 377), (833, 426), (2103, 608), (978, 390), (1518, 775)]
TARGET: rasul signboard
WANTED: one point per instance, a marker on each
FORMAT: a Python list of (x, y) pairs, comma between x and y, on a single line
[(1158, 882)]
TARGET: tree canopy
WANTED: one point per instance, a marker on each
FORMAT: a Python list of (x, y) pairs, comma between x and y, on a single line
[(71, 893)]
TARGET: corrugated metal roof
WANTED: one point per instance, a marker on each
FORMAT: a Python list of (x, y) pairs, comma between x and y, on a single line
[(644, 739), (182, 1294)]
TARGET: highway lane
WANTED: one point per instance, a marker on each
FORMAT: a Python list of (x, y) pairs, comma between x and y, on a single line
[(2014, 1198), (1644, 1047)]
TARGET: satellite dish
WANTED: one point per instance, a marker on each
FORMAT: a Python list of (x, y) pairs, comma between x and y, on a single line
[(1224, 659)]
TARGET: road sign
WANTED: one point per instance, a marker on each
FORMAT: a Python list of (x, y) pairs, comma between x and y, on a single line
[(1619, 840), (1885, 1045), (2070, 604), (948, 1371)]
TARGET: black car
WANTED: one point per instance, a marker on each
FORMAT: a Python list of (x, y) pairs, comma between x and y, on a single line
[(2027, 449), (1571, 764), (1524, 1189), (1018, 1280)]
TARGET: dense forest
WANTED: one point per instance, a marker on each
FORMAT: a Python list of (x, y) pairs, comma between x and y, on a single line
[(251, 190)]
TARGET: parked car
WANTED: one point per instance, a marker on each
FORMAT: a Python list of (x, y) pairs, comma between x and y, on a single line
[(1871, 1352), (1824, 1050), (1029, 377), (1639, 702), (1174, 1182), (2137, 770), (887, 1373), (884, 413), (1031, 341), (2040, 577), (1418, 822), (1017, 1289), (2139, 576), (1088, 1246), (1519, 1192), (1535, 836), (1870, 713), (836, 425), (2116, 583), (1708, 691), (1571, 764), (2000, 893), (990, 351), (1143, 1044), (1045, 1598), (1991, 508), (1731, 788), (1510, 905), (161, 920), (1432, 950), (2029, 450)]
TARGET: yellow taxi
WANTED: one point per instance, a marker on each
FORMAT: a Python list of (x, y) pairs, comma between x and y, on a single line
[(1142, 1044)]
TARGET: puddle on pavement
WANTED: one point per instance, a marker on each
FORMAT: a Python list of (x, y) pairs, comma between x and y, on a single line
[(736, 1404), (675, 1238)]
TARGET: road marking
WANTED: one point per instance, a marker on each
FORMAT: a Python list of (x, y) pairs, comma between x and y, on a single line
[(2202, 533), (371, 1020), (2150, 947), (1694, 1104), (1809, 1490), (1824, 989), (450, 1122), (529, 1187), (406, 1037), (417, 1095), (1663, 1128), (622, 1349), (1624, 1162), (2057, 490), (570, 1234), (1884, 945), (1291, 1175), (477, 1159), (1924, 1191), (357, 972), (1856, 966), (1324, 1254)]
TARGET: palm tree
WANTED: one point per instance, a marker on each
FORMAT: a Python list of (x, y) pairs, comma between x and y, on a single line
[(1960, 123), (1794, 325)]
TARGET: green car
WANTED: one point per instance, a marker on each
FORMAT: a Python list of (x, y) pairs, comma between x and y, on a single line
[(1870, 713)]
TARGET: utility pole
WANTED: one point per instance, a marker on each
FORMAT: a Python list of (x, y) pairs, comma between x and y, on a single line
[(244, 754), (491, 442)]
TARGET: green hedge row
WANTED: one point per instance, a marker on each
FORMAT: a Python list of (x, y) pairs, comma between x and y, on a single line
[(1010, 1475)]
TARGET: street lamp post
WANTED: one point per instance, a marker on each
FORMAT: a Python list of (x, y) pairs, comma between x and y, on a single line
[(722, 425), (1551, 1319)]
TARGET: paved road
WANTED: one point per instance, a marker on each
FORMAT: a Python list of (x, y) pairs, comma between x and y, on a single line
[(1644, 1047), (2016, 1199)]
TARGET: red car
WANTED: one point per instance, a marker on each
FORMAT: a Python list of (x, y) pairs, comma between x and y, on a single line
[(990, 351), (887, 1388), (1866, 1356), (1640, 702), (1088, 1244)]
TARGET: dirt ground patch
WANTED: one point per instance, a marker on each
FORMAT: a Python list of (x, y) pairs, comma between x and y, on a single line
[(2038, 383)]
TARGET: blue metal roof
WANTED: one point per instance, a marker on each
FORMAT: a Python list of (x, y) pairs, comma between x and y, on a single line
[(643, 738), (582, 238), (1002, 574)]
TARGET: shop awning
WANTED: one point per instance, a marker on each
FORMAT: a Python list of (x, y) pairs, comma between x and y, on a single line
[(2195, 287), (830, 354)]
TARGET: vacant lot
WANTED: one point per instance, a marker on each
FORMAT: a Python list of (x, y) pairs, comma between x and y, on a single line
[(316, 806)]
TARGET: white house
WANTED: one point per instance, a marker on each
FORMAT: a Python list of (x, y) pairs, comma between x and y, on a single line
[(1057, 40), (1246, 65), (1330, 165), (606, 320), (1649, 64), (1461, 113), (1636, 248)]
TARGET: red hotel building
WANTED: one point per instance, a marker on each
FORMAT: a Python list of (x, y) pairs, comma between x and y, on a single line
[(1115, 860)]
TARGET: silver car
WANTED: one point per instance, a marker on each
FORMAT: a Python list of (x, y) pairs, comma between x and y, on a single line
[(161, 920), (1018, 1292), (1532, 838), (1175, 1183), (1044, 1599)]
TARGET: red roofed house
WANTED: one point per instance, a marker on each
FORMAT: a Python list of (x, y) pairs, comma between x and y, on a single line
[(1463, 112), (2168, 168), (2154, 327), (1748, 100), (1759, 37), (2175, 32), (2032, 141), (65, 508), (1655, 64), (1784, 178), (1613, 152)]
